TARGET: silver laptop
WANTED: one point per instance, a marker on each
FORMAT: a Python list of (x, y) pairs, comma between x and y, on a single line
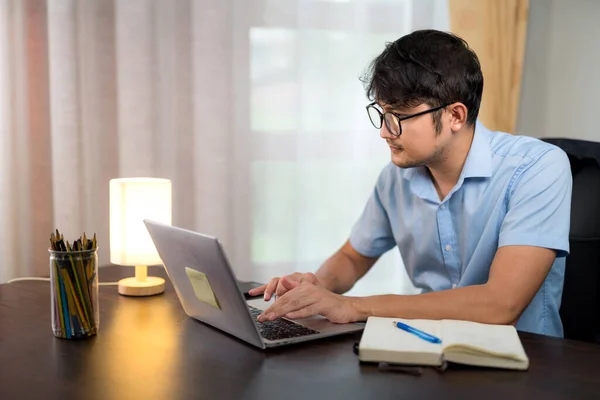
[(208, 291)]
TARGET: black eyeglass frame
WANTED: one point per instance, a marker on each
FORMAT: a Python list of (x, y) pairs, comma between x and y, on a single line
[(382, 119)]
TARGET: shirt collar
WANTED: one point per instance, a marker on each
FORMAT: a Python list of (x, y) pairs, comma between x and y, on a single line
[(479, 159)]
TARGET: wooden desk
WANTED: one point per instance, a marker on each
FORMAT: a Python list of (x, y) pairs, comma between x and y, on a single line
[(147, 348)]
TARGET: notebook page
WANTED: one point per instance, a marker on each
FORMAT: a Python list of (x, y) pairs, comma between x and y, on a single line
[(383, 341), (498, 340)]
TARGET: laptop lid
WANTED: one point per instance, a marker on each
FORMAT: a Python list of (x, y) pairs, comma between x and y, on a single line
[(204, 281)]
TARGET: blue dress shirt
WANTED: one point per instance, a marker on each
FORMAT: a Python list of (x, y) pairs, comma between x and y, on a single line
[(513, 190)]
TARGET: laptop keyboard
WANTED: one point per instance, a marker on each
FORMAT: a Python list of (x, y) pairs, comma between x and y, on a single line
[(280, 328)]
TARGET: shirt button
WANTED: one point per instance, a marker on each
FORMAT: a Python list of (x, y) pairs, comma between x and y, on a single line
[(442, 206), (454, 286), (448, 247)]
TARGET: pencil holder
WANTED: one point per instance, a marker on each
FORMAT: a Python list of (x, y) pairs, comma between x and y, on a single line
[(74, 293)]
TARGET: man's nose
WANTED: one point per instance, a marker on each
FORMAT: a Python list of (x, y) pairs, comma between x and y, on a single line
[(385, 133)]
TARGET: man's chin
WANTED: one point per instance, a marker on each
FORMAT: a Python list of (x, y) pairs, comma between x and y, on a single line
[(402, 162)]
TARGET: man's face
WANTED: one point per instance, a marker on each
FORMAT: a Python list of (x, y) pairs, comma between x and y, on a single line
[(419, 144)]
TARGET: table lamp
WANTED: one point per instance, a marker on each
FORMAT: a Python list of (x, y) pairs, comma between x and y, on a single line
[(131, 201)]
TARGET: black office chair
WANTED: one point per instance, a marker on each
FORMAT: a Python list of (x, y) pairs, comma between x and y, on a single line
[(580, 308)]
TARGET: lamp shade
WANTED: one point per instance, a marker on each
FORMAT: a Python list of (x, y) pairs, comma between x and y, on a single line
[(131, 201)]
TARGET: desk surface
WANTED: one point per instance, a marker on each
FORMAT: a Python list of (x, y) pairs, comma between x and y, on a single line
[(148, 348)]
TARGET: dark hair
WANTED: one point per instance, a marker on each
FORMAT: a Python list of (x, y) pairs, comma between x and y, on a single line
[(430, 67)]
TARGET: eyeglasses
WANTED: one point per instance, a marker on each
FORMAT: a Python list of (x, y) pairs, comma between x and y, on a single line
[(392, 120)]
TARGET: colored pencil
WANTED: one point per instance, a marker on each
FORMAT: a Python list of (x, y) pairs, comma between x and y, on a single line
[(74, 274)]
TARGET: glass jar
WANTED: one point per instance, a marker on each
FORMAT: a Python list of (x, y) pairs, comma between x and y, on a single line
[(74, 293)]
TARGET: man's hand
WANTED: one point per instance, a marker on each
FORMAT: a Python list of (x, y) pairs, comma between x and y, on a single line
[(279, 286), (308, 299)]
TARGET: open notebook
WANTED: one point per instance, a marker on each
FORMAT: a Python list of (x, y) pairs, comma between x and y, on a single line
[(463, 342)]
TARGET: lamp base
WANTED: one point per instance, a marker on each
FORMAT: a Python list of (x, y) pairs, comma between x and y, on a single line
[(148, 287)]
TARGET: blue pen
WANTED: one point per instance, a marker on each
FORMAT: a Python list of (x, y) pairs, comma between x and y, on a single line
[(417, 332)]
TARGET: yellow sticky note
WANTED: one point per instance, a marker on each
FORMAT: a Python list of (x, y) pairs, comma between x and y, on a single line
[(202, 287)]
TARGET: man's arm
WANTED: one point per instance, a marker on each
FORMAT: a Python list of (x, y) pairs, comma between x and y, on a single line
[(534, 230), (341, 271), (516, 275)]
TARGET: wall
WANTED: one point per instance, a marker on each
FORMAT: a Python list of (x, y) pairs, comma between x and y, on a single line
[(561, 77)]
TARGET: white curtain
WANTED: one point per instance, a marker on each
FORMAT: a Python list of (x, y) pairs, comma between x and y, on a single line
[(253, 108)]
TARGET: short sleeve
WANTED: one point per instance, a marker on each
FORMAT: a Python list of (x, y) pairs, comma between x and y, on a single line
[(539, 206), (372, 234)]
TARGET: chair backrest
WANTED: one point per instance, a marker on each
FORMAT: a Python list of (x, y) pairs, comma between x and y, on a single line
[(580, 308)]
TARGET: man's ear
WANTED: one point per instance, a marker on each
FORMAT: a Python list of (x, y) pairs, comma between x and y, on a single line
[(457, 113)]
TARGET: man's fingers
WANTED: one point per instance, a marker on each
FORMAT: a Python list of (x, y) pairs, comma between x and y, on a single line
[(257, 290), (279, 286), (271, 286), (286, 304), (288, 283), (280, 290), (285, 285)]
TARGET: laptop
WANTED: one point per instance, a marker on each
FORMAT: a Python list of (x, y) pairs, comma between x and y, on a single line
[(209, 292)]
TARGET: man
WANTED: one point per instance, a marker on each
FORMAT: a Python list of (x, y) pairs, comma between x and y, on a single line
[(481, 218)]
